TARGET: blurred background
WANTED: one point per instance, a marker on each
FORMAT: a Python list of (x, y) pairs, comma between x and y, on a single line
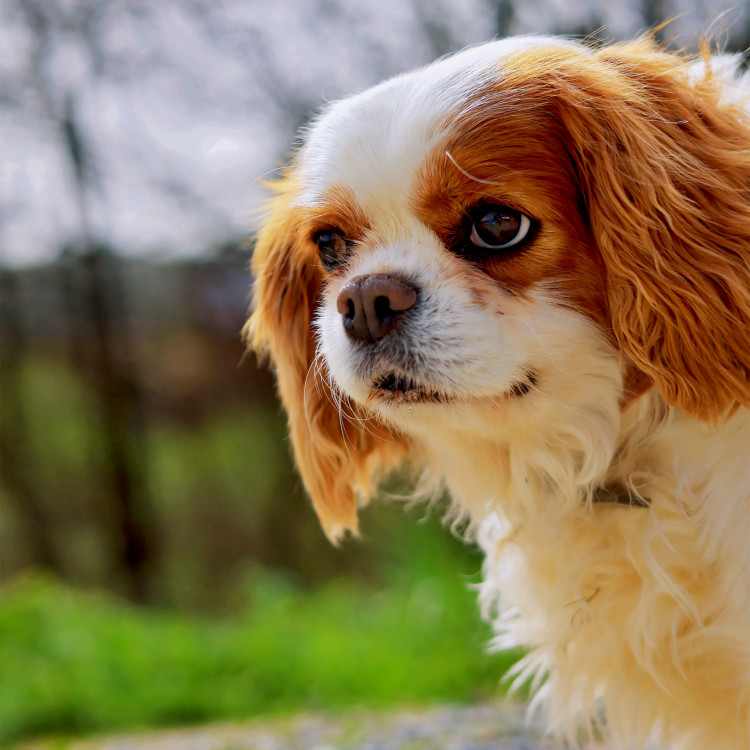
[(159, 563)]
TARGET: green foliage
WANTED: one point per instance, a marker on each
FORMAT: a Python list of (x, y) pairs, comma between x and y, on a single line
[(73, 662)]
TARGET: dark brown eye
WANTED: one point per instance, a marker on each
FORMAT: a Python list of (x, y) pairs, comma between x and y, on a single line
[(498, 227), (332, 247)]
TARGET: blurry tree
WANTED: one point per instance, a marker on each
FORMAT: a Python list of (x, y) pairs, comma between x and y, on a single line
[(110, 365), (16, 457)]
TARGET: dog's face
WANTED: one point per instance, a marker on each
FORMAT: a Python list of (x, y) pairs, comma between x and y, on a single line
[(527, 233), (461, 281)]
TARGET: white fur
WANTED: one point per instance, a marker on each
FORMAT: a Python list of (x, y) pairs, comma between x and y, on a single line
[(643, 613)]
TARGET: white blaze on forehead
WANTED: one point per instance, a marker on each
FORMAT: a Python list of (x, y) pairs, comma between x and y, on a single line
[(373, 142)]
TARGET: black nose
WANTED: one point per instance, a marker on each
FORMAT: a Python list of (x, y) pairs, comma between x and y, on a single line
[(370, 305)]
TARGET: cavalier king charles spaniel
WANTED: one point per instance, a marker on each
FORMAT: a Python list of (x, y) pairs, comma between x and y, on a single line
[(526, 268)]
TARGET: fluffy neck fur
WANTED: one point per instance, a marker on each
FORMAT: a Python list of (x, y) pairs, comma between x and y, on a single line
[(643, 610)]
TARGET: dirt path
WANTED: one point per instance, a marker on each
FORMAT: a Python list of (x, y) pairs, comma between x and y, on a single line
[(482, 727)]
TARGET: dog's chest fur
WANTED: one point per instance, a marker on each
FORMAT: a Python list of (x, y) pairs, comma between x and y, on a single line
[(641, 609)]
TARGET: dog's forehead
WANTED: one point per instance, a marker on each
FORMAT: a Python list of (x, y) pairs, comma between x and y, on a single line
[(373, 142)]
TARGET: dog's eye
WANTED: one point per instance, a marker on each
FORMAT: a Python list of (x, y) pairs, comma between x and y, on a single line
[(498, 227), (332, 247)]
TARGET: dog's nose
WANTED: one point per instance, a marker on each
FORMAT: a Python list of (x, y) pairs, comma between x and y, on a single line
[(369, 305)]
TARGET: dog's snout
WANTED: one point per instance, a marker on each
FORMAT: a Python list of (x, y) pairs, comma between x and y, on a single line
[(370, 305)]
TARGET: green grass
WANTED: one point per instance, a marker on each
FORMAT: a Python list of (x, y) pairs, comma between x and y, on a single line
[(75, 663)]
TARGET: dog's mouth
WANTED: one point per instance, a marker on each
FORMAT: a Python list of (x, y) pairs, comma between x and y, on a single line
[(392, 388), (522, 387)]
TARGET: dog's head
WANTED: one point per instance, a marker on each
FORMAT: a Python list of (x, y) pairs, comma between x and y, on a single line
[(474, 246)]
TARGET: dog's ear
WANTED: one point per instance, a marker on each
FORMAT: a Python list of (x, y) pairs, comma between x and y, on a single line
[(662, 155), (339, 453)]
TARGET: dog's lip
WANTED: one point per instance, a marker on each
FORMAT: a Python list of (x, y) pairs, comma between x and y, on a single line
[(395, 388), (523, 386), (392, 387)]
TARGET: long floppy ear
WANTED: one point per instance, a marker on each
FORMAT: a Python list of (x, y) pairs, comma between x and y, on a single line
[(663, 158), (339, 453)]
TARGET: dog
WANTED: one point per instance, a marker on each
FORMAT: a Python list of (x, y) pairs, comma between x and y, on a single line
[(525, 268)]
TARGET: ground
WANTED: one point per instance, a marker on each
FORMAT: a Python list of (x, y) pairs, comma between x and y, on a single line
[(489, 726)]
